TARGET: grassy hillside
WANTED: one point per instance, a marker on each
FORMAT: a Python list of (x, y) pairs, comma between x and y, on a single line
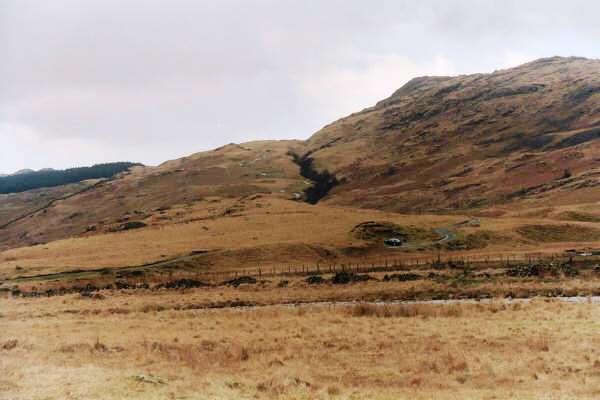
[(14, 205), (230, 172), (528, 134)]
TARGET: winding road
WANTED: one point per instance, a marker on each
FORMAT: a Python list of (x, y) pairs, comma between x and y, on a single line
[(448, 233)]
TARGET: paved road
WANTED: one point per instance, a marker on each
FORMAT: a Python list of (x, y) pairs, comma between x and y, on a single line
[(448, 233)]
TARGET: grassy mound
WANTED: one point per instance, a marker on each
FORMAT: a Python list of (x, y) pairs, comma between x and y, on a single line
[(375, 230)]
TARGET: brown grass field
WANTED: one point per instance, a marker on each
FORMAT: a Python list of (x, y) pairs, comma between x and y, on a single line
[(125, 346), (267, 231), (283, 337)]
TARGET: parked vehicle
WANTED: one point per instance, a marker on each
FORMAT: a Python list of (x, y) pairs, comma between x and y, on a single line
[(393, 242)]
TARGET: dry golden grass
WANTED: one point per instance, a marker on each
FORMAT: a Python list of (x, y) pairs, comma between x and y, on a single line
[(405, 310), (266, 231), (545, 349), (274, 225)]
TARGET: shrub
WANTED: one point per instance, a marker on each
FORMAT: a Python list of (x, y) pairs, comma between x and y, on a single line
[(406, 310), (323, 181), (11, 344), (402, 277), (314, 280), (342, 278)]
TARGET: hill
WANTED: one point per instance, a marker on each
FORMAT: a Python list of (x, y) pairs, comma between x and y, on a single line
[(16, 205), (445, 143), (517, 147), (28, 179), (23, 171), (142, 193)]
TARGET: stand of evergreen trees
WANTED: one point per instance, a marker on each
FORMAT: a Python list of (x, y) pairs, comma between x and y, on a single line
[(49, 178)]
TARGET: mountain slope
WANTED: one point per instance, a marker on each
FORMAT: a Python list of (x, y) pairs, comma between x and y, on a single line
[(209, 180), (471, 141), (487, 143)]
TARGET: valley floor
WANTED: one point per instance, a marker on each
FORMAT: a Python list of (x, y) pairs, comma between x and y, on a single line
[(153, 313), (167, 345)]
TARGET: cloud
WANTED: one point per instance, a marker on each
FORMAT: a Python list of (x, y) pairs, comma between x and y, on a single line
[(23, 147), (513, 59), (149, 80), (351, 89)]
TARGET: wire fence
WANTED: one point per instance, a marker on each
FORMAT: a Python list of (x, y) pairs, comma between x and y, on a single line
[(385, 265)]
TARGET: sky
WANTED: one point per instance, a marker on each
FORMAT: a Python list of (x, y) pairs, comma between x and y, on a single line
[(83, 82)]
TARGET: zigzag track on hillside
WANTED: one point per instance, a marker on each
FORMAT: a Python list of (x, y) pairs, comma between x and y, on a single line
[(54, 201)]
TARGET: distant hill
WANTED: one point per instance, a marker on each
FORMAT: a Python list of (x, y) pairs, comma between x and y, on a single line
[(23, 172), (27, 171), (24, 180), (213, 178)]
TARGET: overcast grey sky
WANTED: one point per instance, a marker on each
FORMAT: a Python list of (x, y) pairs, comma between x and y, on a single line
[(92, 81)]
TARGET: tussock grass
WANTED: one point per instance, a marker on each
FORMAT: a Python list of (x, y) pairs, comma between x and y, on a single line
[(406, 311), (470, 351), (539, 343)]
